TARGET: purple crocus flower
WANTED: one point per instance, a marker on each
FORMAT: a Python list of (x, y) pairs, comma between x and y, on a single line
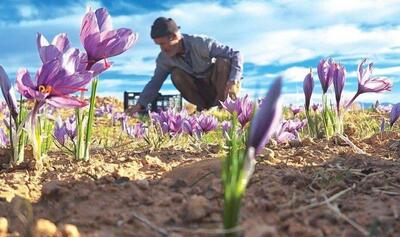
[(226, 125), (191, 127), (207, 123), (56, 49), (71, 58), (266, 119), (308, 86), (3, 138), (285, 136), (231, 105), (246, 111), (60, 133), (394, 114), (316, 107), (242, 106), (100, 40), (295, 125), (53, 85), (367, 83), (70, 127), (9, 93), (339, 79), (136, 131), (295, 109), (324, 71), (383, 125)]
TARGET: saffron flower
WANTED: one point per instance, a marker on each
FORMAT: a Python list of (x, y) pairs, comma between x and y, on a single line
[(53, 85), (324, 70), (308, 87), (339, 79), (9, 93), (368, 83), (99, 38), (266, 119)]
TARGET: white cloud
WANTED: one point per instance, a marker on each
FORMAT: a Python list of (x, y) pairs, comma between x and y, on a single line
[(267, 32), (27, 11)]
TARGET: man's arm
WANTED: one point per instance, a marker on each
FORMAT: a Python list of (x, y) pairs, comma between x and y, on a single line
[(152, 87), (222, 51)]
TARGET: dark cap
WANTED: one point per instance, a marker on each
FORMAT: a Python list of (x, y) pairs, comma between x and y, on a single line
[(163, 26)]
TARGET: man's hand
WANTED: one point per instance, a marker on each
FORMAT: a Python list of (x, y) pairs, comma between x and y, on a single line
[(232, 89), (134, 109)]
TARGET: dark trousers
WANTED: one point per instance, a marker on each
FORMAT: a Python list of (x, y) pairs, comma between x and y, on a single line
[(203, 92)]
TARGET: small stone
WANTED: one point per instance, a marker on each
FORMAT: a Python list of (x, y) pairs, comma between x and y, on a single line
[(44, 228), (69, 230), (196, 208), (3, 227), (294, 143), (143, 184)]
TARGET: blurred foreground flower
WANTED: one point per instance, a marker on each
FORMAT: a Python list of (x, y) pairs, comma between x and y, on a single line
[(394, 114)]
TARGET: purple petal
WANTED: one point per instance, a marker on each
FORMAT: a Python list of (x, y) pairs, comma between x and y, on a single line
[(61, 42), (48, 53), (89, 27), (25, 86), (308, 86), (394, 114), (267, 117), (65, 102), (8, 92), (99, 68), (103, 19), (47, 73), (119, 42)]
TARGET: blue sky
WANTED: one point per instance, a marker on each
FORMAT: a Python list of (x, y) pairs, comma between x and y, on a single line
[(284, 37)]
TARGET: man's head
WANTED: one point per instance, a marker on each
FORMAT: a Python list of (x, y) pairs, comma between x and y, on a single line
[(166, 34)]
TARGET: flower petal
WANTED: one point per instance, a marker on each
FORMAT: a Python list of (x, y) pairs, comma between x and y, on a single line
[(61, 42), (8, 92), (103, 19), (89, 27), (47, 73), (267, 117), (65, 102)]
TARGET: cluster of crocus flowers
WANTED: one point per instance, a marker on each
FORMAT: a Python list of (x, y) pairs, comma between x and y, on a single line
[(136, 131), (65, 71), (65, 130), (242, 106), (174, 123), (368, 83), (104, 110), (289, 130)]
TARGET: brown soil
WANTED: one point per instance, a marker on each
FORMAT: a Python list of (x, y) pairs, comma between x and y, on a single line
[(320, 188)]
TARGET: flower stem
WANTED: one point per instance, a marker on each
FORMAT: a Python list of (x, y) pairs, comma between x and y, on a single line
[(90, 119)]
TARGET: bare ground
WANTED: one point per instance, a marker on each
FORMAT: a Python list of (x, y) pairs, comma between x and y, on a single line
[(312, 188)]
